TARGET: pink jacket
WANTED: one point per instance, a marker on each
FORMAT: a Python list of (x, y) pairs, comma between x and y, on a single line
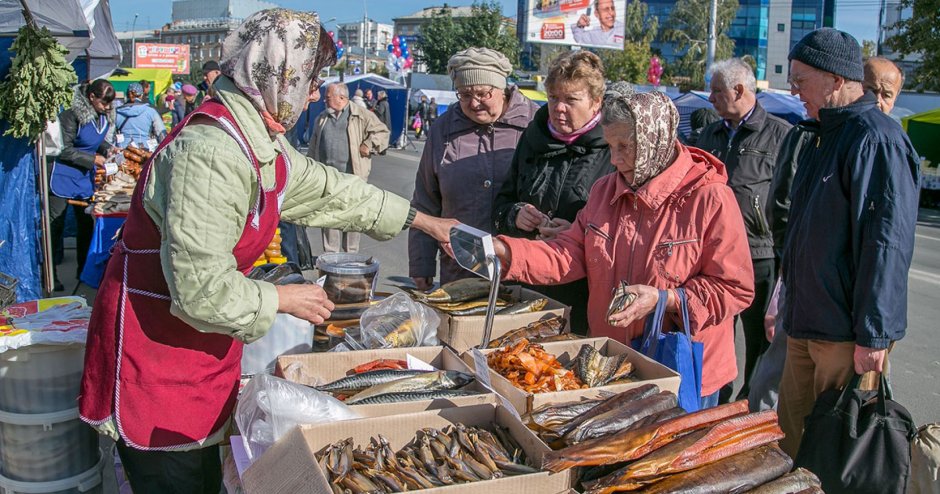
[(683, 228)]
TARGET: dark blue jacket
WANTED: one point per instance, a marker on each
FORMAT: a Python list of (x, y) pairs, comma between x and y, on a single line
[(848, 247)]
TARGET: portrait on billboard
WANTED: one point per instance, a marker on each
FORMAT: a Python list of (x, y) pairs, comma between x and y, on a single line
[(588, 23)]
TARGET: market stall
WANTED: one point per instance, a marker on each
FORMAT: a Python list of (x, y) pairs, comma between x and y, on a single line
[(160, 80)]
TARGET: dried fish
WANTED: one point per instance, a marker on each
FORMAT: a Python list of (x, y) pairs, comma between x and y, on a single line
[(530, 368), (796, 481), (595, 370), (428, 381), (437, 394), (725, 439), (620, 300), (457, 291), (632, 444), (357, 382), (620, 417), (544, 328), (615, 401), (549, 418), (380, 364), (524, 307)]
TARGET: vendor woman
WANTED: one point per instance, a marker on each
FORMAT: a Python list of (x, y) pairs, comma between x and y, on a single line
[(165, 339)]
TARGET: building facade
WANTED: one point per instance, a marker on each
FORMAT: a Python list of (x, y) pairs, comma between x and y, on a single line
[(187, 10), (891, 13), (373, 36)]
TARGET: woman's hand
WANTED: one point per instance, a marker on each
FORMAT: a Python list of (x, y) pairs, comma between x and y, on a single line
[(99, 160), (646, 299), (438, 228), (554, 227), (306, 301), (529, 218)]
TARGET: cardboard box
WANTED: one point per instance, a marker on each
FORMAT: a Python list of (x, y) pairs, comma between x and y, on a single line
[(290, 465), (645, 369), (465, 332), (320, 368)]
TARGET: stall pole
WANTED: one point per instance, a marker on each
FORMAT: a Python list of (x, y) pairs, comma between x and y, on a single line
[(47, 267)]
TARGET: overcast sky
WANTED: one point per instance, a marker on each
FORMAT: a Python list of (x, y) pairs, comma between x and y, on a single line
[(858, 17)]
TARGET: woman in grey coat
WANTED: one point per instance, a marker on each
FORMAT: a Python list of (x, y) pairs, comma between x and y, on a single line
[(467, 156)]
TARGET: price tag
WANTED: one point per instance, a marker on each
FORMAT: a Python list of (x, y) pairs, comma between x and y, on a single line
[(418, 364), (482, 371), (119, 138), (152, 144), (110, 168)]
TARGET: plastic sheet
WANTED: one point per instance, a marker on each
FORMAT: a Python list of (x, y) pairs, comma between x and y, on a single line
[(269, 407), (59, 321), (395, 322)]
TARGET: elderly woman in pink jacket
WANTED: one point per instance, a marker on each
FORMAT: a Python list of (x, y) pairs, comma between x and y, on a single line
[(665, 219)]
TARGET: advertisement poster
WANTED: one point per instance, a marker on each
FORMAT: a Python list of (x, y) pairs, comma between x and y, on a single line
[(588, 23), (161, 56)]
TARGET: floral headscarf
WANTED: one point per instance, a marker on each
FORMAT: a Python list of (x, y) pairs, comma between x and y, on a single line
[(655, 120), (271, 58)]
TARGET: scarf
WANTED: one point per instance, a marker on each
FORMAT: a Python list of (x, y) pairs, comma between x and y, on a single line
[(271, 58), (656, 120), (570, 138)]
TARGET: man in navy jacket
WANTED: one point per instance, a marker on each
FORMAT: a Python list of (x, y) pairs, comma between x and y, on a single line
[(850, 238)]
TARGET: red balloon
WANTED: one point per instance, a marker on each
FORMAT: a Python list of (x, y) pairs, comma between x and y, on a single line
[(339, 43), (396, 41), (397, 51), (332, 34)]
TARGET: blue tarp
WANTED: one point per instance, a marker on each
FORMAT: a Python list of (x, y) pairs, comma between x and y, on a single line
[(20, 219), (686, 104), (785, 106), (397, 102)]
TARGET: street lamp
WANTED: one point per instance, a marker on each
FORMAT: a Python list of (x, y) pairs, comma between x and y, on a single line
[(134, 42)]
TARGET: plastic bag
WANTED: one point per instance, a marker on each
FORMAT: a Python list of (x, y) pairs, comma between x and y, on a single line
[(395, 322), (269, 407)]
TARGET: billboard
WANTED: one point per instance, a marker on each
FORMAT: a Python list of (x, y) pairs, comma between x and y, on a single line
[(588, 23), (162, 56)]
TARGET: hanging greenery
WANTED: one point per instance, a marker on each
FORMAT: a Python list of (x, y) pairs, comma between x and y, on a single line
[(39, 83)]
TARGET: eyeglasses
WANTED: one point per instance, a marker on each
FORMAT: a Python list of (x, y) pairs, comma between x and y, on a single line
[(480, 96), (796, 82)]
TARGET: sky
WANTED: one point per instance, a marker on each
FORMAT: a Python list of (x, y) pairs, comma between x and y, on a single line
[(858, 17)]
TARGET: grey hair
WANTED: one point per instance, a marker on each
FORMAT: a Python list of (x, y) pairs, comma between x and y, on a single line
[(359, 93), (381, 94), (734, 71), (616, 106), (339, 87)]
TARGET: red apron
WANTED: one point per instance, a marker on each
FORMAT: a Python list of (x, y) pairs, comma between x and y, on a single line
[(166, 385)]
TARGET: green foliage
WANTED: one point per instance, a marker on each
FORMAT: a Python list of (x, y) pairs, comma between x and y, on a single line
[(921, 34), (39, 83), (868, 49), (445, 35), (631, 63), (688, 28)]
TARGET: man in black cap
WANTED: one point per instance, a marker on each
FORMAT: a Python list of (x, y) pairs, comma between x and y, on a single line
[(210, 70), (850, 238)]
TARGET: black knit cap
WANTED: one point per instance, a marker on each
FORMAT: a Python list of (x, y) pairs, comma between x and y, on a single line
[(832, 51)]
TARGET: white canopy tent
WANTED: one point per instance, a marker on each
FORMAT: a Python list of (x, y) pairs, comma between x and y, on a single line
[(82, 26)]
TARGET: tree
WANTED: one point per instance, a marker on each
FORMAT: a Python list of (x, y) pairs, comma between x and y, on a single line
[(868, 49), (688, 28), (631, 63), (445, 35), (920, 34)]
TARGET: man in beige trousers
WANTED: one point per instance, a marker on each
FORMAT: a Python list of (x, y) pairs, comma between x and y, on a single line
[(345, 137)]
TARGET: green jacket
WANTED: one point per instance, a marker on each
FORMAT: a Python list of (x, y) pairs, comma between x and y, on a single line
[(199, 193)]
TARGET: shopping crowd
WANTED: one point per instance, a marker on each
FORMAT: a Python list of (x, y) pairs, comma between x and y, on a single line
[(589, 192)]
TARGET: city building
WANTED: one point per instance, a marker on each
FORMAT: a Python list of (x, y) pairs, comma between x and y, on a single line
[(376, 40), (201, 24), (749, 32), (891, 13), (789, 21)]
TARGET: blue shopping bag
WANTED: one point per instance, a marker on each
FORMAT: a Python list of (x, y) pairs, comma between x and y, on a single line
[(675, 349)]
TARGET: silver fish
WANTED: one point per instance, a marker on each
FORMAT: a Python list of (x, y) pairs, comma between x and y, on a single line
[(416, 396), (365, 380), (428, 381)]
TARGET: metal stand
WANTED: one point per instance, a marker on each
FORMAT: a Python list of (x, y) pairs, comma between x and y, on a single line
[(496, 272)]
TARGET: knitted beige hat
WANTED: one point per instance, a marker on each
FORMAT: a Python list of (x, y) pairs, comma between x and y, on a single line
[(479, 66)]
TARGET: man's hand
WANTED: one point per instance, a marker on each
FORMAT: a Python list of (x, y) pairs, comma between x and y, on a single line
[(439, 228), (770, 327), (364, 150), (584, 21), (646, 298), (869, 359), (99, 160), (554, 227), (307, 301), (529, 218), (423, 284)]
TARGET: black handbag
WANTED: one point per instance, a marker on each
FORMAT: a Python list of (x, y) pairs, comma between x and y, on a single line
[(858, 441)]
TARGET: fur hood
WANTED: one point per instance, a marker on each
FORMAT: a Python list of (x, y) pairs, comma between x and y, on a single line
[(85, 113)]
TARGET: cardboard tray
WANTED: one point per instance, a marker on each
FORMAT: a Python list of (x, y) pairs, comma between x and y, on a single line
[(465, 332), (319, 368), (290, 465), (645, 369)]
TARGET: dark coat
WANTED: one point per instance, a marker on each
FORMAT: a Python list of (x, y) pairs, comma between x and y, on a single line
[(384, 113), (71, 120), (552, 176), (787, 159), (749, 158), (850, 238), (463, 166)]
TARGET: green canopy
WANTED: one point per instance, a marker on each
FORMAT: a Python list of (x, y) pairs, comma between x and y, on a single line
[(160, 79), (924, 129)]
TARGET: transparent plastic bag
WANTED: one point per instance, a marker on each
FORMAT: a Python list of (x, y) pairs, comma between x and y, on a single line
[(269, 407), (399, 321)]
